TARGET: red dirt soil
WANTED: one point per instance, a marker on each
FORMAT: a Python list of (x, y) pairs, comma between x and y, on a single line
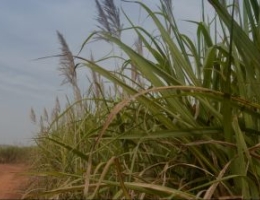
[(11, 182)]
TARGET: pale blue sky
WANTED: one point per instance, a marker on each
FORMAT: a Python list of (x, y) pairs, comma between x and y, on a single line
[(28, 31)]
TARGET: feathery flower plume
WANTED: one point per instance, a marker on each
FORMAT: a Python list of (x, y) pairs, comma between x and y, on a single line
[(68, 67), (33, 116), (108, 18)]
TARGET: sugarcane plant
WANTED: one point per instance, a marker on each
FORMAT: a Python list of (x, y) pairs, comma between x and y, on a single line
[(179, 119)]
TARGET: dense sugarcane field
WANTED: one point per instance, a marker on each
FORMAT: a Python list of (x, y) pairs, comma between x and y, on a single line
[(176, 118)]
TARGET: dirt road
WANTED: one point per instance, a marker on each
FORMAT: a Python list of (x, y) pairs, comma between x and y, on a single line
[(11, 182)]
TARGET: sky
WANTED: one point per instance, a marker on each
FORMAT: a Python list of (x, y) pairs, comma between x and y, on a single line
[(28, 31)]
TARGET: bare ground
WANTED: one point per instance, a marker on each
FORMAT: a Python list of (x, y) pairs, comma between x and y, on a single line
[(12, 182)]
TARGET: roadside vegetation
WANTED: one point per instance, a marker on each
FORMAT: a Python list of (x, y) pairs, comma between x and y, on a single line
[(177, 118), (13, 154)]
